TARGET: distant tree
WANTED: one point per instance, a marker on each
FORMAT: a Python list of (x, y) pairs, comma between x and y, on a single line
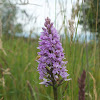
[(90, 7), (9, 19)]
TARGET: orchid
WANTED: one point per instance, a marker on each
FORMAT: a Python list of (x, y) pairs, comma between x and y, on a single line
[(51, 65)]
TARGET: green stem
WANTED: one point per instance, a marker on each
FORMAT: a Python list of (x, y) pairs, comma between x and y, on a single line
[(55, 93)]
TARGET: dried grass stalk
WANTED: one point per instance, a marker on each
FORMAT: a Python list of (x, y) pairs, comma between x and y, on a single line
[(2, 98), (71, 29), (30, 89), (94, 86), (0, 28)]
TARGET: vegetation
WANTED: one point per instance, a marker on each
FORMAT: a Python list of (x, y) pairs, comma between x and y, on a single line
[(92, 10), (19, 79), (21, 65), (9, 18)]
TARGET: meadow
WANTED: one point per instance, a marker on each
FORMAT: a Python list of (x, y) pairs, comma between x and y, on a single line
[(18, 70), (19, 78)]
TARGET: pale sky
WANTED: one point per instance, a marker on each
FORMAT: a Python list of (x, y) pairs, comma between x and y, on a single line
[(46, 8)]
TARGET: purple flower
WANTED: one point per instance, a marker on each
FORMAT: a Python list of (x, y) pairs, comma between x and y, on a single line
[(45, 82), (51, 65)]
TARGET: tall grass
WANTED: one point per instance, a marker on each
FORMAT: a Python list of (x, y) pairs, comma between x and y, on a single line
[(20, 59)]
